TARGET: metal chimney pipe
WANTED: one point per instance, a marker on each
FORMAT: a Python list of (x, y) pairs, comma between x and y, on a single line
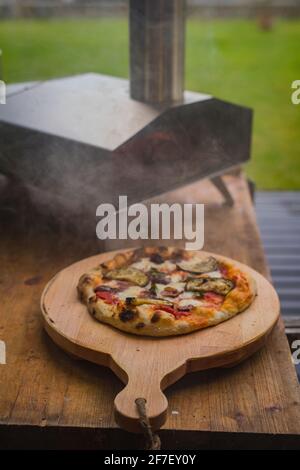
[(157, 30)]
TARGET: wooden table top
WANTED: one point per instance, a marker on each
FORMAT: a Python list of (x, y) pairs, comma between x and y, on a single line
[(50, 400)]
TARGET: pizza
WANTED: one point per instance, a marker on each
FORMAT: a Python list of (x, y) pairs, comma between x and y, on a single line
[(163, 291)]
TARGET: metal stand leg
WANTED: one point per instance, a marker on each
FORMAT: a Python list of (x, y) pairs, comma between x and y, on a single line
[(222, 188), (251, 186)]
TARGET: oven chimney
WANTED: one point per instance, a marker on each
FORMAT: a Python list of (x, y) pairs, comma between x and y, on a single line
[(157, 50)]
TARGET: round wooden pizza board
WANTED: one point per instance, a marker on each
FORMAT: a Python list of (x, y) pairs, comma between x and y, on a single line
[(149, 365)]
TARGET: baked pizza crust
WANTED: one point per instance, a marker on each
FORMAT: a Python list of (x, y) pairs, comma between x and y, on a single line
[(156, 320)]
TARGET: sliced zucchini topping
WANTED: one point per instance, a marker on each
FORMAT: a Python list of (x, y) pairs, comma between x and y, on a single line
[(158, 277), (199, 267), (128, 274), (202, 285), (195, 284), (140, 301)]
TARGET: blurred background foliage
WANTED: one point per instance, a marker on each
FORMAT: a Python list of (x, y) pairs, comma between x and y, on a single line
[(251, 61)]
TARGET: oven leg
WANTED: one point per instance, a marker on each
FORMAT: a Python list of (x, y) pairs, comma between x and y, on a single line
[(222, 188)]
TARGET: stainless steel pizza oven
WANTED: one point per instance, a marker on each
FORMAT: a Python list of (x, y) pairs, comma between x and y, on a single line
[(71, 143)]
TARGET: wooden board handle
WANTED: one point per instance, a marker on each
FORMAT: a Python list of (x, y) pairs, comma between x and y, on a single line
[(126, 412)]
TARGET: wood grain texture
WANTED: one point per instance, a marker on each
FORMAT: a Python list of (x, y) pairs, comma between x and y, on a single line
[(50, 400), (147, 365)]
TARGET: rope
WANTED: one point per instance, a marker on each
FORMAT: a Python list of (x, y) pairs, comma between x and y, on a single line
[(153, 440)]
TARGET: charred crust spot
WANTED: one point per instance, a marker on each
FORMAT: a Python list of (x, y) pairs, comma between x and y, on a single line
[(155, 317), (127, 315), (156, 258), (177, 255), (140, 325), (93, 312), (129, 300)]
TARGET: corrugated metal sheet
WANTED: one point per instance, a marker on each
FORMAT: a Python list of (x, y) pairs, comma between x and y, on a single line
[(278, 214)]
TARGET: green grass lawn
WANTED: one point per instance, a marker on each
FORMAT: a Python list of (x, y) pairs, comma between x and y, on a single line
[(233, 60)]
